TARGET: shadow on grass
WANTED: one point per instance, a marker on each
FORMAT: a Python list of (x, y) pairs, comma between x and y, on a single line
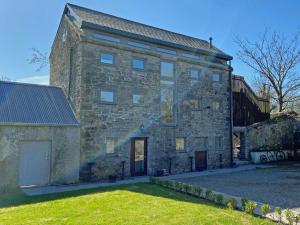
[(143, 188)]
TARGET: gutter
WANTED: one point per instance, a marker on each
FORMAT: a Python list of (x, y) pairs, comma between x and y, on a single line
[(93, 26), (230, 116)]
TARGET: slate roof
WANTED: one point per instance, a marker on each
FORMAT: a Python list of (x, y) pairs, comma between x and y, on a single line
[(94, 19), (34, 105)]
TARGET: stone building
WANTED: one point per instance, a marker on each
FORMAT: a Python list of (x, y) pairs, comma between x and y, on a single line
[(39, 137), (147, 99)]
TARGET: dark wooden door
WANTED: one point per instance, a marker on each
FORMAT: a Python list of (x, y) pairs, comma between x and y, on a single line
[(138, 156), (200, 160)]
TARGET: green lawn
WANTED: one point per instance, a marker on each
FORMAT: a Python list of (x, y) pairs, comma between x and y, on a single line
[(126, 204)]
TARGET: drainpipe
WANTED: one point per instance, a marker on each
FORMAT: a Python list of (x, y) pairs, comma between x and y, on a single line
[(230, 116)]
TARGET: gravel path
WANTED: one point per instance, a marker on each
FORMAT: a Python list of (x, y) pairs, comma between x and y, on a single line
[(277, 186)]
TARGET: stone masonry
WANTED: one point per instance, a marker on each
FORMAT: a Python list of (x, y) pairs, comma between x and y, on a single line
[(64, 153), (76, 67)]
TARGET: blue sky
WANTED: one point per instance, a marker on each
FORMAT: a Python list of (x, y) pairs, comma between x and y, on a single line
[(33, 24)]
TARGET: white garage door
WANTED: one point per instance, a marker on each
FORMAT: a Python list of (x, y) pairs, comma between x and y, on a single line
[(34, 163)]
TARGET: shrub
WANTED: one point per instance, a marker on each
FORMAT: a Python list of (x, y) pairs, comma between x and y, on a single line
[(297, 219), (244, 202), (231, 203), (154, 180), (178, 186), (278, 211), (208, 194), (219, 199), (290, 216), (250, 207), (198, 191), (265, 209), (189, 189)]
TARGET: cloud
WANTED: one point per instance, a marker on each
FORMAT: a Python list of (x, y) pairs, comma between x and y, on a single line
[(35, 80)]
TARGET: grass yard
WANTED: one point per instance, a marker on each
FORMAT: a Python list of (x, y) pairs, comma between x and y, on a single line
[(126, 204)]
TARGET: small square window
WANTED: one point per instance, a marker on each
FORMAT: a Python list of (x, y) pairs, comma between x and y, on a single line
[(216, 76), (107, 96), (166, 69), (179, 144), (216, 105), (107, 58), (137, 99), (138, 64), (194, 104), (218, 142), (195, 74), (111, 145), (201, 142)]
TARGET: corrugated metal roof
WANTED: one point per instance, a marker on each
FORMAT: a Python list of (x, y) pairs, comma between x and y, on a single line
[(34, 104), (117, 23)]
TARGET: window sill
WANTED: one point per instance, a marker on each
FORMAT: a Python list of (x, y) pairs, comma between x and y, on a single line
[(137, 105), (111, 154), (139, 70), (168, 124), (107, 64), (108, 103), (181, 151)]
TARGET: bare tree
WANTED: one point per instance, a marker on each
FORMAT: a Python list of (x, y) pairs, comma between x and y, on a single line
[(39, 58), (5, 78), (275, 59)]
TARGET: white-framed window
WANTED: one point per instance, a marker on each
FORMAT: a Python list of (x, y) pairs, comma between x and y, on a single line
[(107, 58), (180, 144), (107, 96), (216, 76), (137, 99), (138, 64), (216, 105), (167, 69), (201, 142), (111, 145)]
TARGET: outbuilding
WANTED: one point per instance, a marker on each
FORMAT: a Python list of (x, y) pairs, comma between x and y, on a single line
[(39, 137)]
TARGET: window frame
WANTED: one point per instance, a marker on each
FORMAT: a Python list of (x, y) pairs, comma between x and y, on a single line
[(206, 143), (141, 59), (137, 44), (172, 88), (220, 105), (220, 76), (108, 102), (199, 74), (113, 59), (184, 145), (198, 103), (137, 104), (115, 141), (173, 71), (221, 142)]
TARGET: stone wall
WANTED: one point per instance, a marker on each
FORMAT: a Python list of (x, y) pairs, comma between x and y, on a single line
[(277, 132), (64, 153), (123, 120), (65, 62)]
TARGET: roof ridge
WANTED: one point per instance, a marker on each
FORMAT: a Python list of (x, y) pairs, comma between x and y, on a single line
[(28, 84), (131, 21)]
